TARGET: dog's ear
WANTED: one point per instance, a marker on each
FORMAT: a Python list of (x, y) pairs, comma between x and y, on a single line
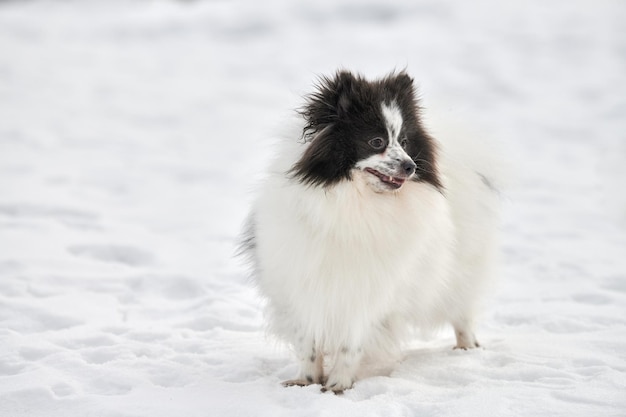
[(402, 86), (330, 102), (344, 85), (404, 81)]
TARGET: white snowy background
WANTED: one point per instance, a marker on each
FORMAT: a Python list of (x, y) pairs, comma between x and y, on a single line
[(131, 137)]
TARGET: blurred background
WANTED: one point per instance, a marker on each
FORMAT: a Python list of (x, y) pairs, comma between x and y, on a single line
[(159, 110)]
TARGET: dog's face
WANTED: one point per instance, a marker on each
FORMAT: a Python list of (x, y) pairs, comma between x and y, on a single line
[(367, 129), (385, 161)]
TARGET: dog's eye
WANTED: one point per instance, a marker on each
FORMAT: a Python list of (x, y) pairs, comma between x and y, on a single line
[(377, 143), (404, 143)]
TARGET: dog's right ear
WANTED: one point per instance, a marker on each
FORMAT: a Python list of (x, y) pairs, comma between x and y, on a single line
[(344, 88), (330, 102)]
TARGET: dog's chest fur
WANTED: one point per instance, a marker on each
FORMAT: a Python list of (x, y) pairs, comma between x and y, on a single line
[(350, 250)]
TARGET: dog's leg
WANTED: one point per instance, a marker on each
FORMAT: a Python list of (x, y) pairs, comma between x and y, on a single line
[(464, 332), (343, 373), (311, 364)]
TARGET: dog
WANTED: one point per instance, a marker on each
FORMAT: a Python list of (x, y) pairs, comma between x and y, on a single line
[(367, 228)]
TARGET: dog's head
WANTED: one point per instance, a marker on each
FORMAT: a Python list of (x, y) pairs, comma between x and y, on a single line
[(366, 128)]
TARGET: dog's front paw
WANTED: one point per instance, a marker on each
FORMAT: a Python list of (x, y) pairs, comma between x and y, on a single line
[(465, 340), (470, 343), (297, 383), (469, 346), (338, 383)]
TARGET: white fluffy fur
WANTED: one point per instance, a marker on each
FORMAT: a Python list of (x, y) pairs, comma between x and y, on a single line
[(347, 271)]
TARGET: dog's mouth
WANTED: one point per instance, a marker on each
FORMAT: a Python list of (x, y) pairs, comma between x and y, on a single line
[(393, 182)]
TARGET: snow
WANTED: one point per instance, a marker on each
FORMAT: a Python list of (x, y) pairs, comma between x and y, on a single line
[(131, 135)]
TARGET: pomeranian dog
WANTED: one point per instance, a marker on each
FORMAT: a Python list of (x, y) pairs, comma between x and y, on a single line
[(366, 228)]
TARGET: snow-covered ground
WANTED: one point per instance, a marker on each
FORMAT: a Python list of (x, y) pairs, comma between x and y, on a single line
[(131, 135)]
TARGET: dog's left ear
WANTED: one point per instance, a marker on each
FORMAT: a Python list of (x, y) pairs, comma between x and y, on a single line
[(403, 85), (404, 80)]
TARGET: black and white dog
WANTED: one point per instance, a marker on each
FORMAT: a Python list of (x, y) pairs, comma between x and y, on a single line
[(366, 228)]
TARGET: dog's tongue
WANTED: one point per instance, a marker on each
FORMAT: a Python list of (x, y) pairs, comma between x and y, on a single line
[(394, 180), (388, 179)]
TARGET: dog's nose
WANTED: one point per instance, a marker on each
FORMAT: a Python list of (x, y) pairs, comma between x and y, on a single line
[(408, 167)]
